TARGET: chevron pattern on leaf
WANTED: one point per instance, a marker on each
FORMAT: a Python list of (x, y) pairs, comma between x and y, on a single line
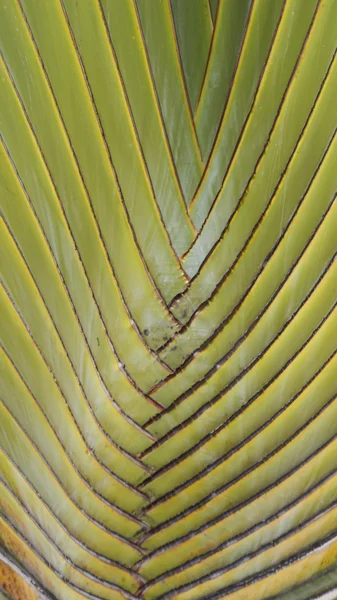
[(168, 318)]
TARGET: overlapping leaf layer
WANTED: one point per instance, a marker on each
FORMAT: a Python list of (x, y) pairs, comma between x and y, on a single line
[(168, 318)]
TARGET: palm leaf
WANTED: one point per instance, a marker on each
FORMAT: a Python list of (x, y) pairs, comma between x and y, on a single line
[(168, 299)]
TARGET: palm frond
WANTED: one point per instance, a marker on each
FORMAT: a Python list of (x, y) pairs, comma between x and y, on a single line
[(168, 317)]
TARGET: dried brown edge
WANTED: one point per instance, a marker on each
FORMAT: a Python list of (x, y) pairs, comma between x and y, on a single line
[(110, 562), (65, 580), (12, 562)]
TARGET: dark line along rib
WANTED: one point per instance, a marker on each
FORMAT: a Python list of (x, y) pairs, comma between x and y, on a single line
[(223, 487), (244, 441), (232, 313), (232, 540), (168, 145), (92, 412), (128, 570), (112, 347), (319, 596), (114, 174), (233, 450), (75, 249), (103, 385), (228, 485), (113, 534), (162, 122), (258, 576), (223, 425), (94, 553), (64, 285), (241, 200), (213, 17), (100, 126), (237, 62), (288, 86), (209, 56), (128, 595), (84, 187), (253, 4), (270, 571), (109, 504), (91, 450), (246, 557), (234, 509), (230, 269), (181, 70), (222, 392)]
